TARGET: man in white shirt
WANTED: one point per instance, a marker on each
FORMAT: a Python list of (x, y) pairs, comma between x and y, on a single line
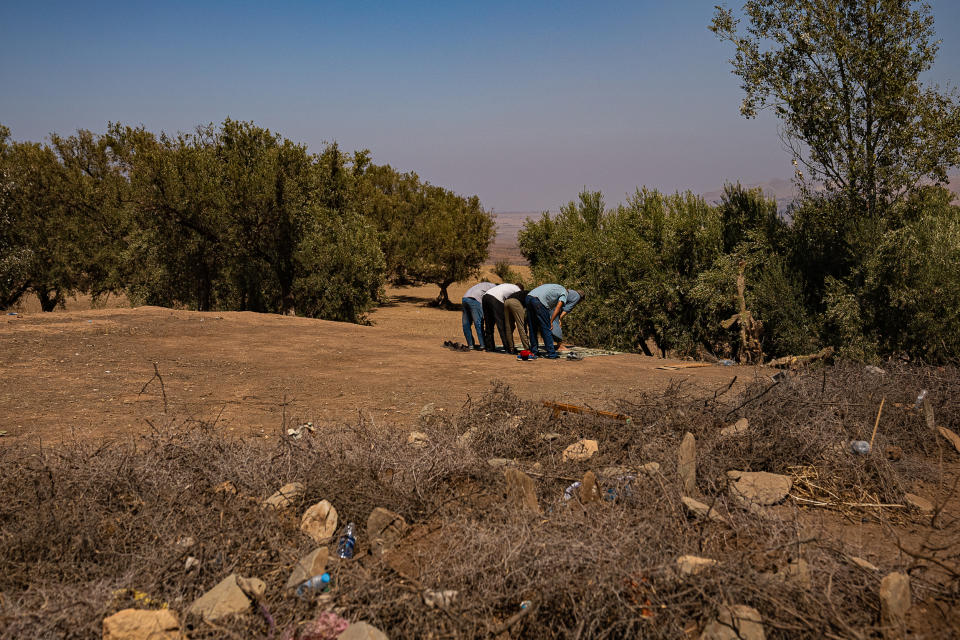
[(493, 314), (473, 312)]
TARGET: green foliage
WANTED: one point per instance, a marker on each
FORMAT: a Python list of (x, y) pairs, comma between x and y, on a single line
[(507, 273), (428, 234), (843, 78)]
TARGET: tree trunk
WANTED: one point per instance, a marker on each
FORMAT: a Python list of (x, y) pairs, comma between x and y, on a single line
[(443, 300), (49, 298)]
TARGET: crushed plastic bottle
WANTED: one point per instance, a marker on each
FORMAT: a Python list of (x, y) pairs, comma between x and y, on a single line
[(726, 363), (316, 583), (920, 398), (860, 447), (568, 493), (347, 542)]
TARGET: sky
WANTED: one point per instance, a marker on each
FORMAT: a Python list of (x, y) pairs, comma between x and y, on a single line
[(521, 103)]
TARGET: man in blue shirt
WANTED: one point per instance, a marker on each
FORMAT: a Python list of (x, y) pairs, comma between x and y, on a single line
[(546, 304)]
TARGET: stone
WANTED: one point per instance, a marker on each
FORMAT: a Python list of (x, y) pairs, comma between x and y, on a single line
[(798, 572), (226, 487), (894, 601), (384, 528), (918, 502), (521, 490), (650, 467), (736, 428), (313, 564), (418, 439), (225, 599), (362, 631), (692, 565), (951, 436), (701, 510), (465, 438), (687, 463), (142, 624), (497, 463), (428, 410), (873, 370), (320, 522), (580, 450), (735, 622), (759, 487), (549, 437), (285, 496), (588, 490), (191, 563), (863, 564), (253, 587)]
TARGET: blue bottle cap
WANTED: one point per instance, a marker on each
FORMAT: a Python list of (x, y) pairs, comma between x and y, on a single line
[(325, 578)]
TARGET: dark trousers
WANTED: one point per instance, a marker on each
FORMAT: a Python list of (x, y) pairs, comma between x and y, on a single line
[(538, 317), (493, 315)]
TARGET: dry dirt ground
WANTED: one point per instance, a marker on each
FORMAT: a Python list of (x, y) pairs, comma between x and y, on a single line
[(80, 372)]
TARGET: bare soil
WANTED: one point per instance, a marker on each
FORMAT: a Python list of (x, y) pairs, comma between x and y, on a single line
[(81, 372)]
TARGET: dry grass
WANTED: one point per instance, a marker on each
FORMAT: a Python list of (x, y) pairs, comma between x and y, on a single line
[(81, 523)]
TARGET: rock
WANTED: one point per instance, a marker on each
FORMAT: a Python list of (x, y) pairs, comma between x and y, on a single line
[(894, 601), (225, 599), (384, 528), (428, 410), (877, 371), (141, 624), (253, 587), (227, 488), (465, 438), (735, 622), (549, 437), (701, 510), (759, 487), (951, 436), (687, 463), (580, 450), (521, 490), (320, 522), (313, 564), (737, 427), (417, 439), (588, 490), (285, 496), (362, 631), (650, 467), (692, 565), (191, 563), (497, 463), (798, 572), (863, 564), (917, 502)]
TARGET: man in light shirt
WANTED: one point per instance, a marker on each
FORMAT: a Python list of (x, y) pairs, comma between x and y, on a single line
[(473, 312), (493, 313), (546, 304)]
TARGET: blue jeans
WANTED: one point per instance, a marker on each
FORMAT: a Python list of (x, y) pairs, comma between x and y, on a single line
[(472, 315), (539, 318)]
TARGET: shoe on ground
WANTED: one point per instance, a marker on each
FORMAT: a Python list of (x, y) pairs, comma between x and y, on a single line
[(552, 356)]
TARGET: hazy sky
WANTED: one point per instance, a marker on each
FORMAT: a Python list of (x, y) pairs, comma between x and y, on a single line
[(520, 103)]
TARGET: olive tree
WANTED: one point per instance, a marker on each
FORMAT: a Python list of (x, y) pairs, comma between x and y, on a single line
[(844, 80)]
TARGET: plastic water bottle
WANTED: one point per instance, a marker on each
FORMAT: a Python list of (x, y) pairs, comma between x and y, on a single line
[(347, 542), (860, 447), (316, 583)]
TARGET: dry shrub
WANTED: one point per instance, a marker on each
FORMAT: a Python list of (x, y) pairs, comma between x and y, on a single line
[(87, 528)]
